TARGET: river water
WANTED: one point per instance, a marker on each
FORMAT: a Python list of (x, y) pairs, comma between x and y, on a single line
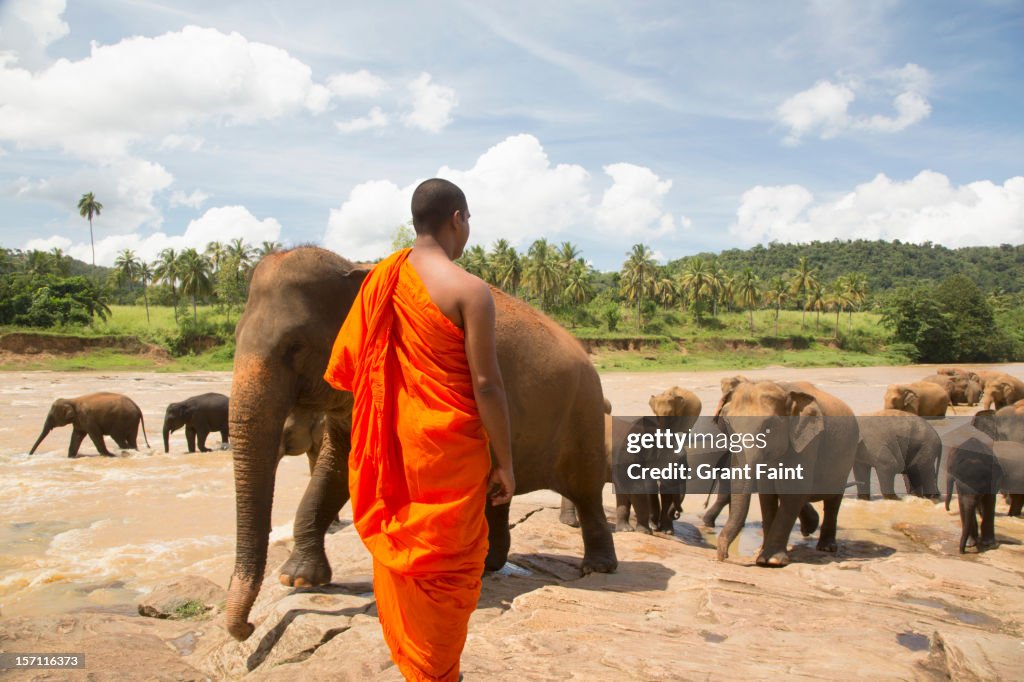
[(95, 532)]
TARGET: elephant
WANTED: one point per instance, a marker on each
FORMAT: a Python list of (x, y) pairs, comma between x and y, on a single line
[(973, 469), (921, 398), (1002, 391), (200, 415), (963, 388), (987, 375), (298, 299), (1010, 422), (894, 442), (789, 424), (1010, 455), (809, 518), (96, 415), (567, 513)]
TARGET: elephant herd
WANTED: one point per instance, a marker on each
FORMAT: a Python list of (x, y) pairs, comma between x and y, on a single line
[(280, 404)]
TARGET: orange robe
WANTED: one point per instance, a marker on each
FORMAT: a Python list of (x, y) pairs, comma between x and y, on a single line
[(418, 467)]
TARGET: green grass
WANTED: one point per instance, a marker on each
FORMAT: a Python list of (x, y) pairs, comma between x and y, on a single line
[(193, 608), (816, 356)]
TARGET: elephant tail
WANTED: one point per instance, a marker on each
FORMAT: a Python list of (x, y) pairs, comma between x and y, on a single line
[(711, 491), (949, 490), (142, 420)]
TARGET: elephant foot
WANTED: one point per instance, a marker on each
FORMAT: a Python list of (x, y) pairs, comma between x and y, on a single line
[(623, 527), (568, 517), (985, 545), (891, 496), (866, 498), (603, 561), (777, 560), (808, 526), (723, 549), (646, 530), (310, 569), (667, 528), (827, 546), (496, 558), (709, 519)]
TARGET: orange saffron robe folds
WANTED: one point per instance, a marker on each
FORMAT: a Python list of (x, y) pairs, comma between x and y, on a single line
[(418, 467)]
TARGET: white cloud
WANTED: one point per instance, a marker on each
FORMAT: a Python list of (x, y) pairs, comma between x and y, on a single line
[(632, 205), (360, 84), (824, 108), (925, 208), (223, 224), (125, 186), (432, 105), (99, 105), (27, 25), (48, 244), (514, 192), (194, 200), (190, 143), (374, 119)]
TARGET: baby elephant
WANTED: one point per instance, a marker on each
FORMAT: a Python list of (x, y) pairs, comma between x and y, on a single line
[(96, 415), (200, 415)]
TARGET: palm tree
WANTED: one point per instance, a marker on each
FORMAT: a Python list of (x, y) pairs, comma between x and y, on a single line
[(665, 289), (568, 253), (61, 262), (127, 268), (836, 299), (266, 248), (802, 279), (241, 255), (38, 262), (474, 261), (196, 273), (541, 273), (87, 208), (167, 269), (216, 252), (697, 282), (145, 276), (506, 266), (816, 301), (778, 292), (578, 289), (748, 292), (638, 276), (856, 292)]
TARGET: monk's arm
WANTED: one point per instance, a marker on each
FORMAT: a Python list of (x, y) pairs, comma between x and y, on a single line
[(478, 321)]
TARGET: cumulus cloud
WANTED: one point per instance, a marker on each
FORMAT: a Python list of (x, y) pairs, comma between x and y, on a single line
[(193, 200), (514, 192), (28, 26), (824, 109), (360, 84), (190, 143), (99, 105), (374, 119), (432, 105), (223, 223), (927, 207)]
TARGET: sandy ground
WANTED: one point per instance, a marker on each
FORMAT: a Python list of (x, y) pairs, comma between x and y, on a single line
[(82, 539)]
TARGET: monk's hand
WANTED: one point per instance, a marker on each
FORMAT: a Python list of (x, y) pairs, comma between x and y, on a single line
[(501, 485)]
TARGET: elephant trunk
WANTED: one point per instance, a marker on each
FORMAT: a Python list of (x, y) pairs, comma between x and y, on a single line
[(260, 399), (47, 427), (739, 505), (167, 437)]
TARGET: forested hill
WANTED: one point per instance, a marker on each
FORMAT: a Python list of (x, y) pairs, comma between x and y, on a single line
[(887, 264)]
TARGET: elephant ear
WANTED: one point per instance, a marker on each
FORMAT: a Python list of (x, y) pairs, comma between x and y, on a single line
[(651, 402), (911, 400), (985, 421), (726, 397), (808, 420)]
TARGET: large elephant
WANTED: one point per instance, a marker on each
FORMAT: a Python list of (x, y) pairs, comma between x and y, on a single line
[(1001, 391), (303, 434), (201, 415), (921, 398), (297, 302), (788, 424), (1009, 422), (894, 442), (972, 468), (96, 415)]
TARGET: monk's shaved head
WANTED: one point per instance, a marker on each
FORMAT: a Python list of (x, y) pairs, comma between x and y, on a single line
[(434, 202)]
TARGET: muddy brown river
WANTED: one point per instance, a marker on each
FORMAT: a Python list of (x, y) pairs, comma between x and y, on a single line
[(93, 532)]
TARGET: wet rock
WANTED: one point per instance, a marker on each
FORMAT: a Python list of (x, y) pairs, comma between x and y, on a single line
[(188, 597)]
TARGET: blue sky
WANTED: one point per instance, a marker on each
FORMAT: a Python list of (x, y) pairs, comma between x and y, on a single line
[(684, 126)]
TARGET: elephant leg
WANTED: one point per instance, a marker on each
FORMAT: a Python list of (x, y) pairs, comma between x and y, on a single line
[(829, 525), (776, 537), (96, 436), (987, 506), (887, 481), (567, 513), (862, 474), (326, 494), (769, 508), (201, 435), (671, 508), (720, 503), (190, 437), (223, 438), (642, 506), (622, 514), (654, 511), (808, 519), (598, 546), (499, 540), (1016, 503), (76, 442), (968, 519), (923, 481)]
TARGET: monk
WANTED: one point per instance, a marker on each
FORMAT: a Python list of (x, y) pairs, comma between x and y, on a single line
[(418, 352)]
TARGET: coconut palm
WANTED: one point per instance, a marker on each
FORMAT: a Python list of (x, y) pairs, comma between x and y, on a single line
[(856, 292), (541, 273), (217, 253), (816, 300), (196, 277), (267, 248), (474, 261), (61, 262), (87, 208), (126, 265), (665, 289), (506, 266), (778, 292), (802, 279), (145, 276), (638, 277), (167, 269), (578, 288), (748, 292), (696, 282)]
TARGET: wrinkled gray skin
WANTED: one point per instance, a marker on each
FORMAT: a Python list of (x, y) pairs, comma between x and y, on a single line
[(823, 441), (303, 434), (893, 442), (1009, 450), (297, 302), (96, 415), (973, 469), (201, 415)]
